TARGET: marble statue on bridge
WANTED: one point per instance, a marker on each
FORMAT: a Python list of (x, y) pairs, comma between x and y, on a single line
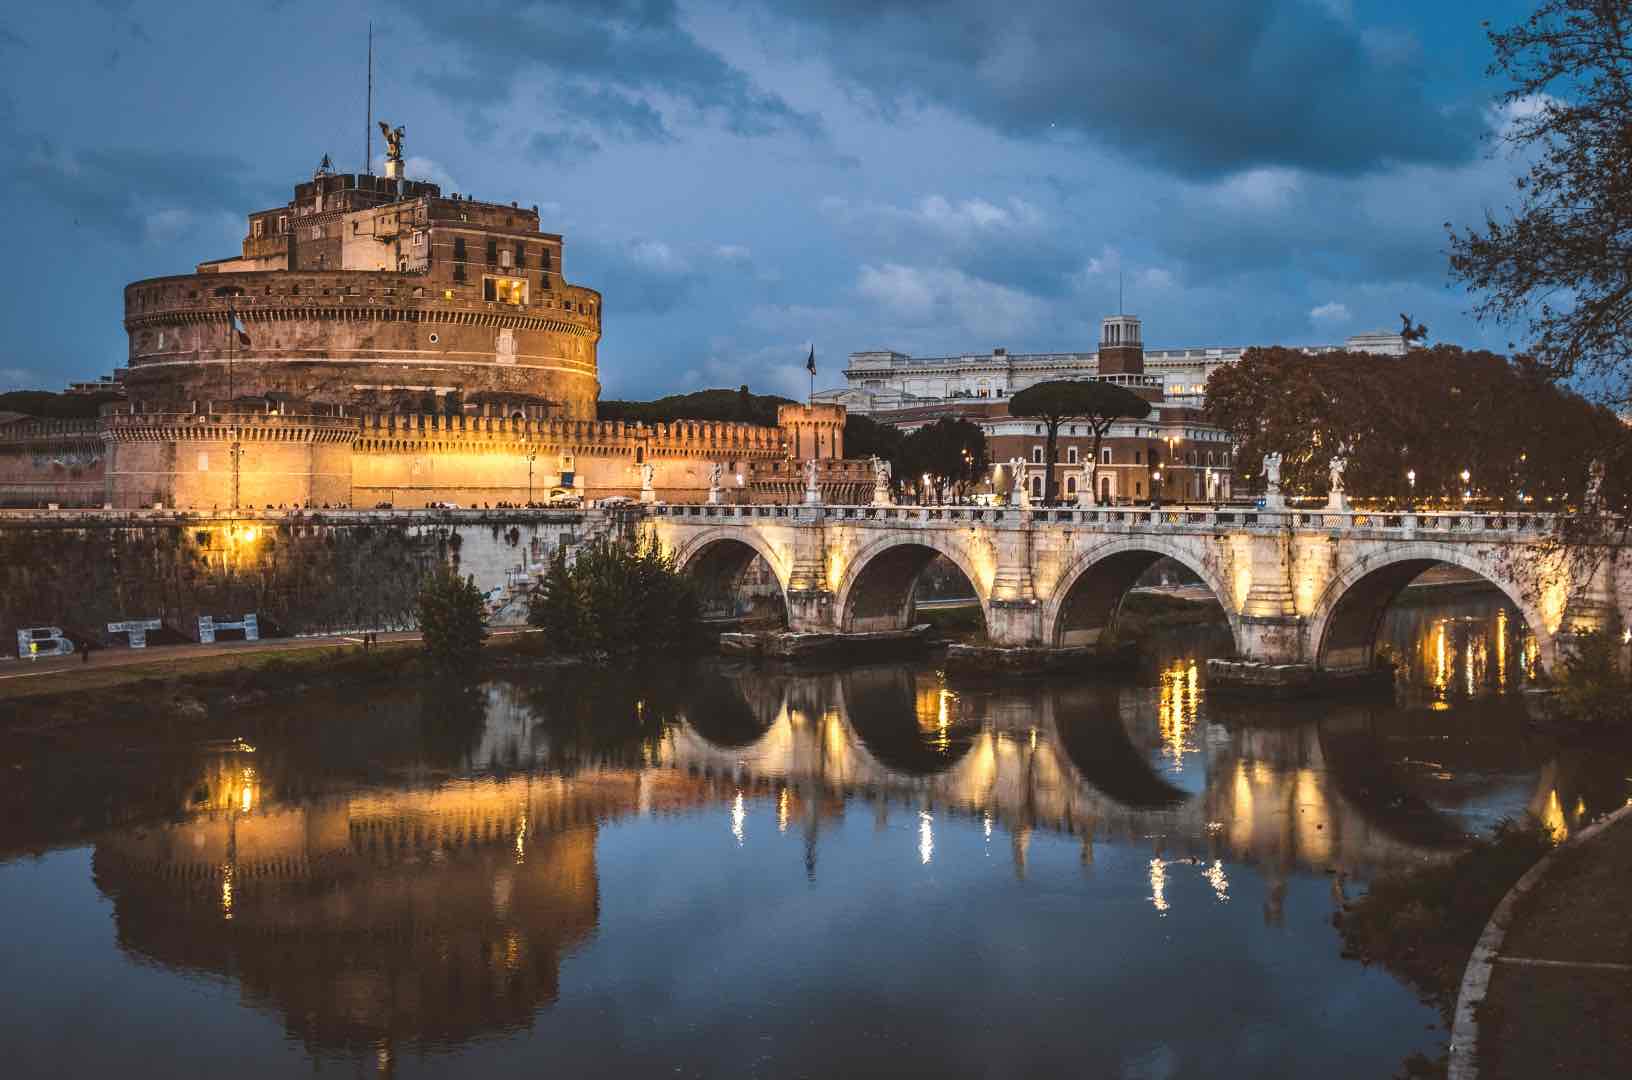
[(1087, 494), (882, 475), (648, 472), (1337, 498), (813, 491), (1271, 472), (715, 471)]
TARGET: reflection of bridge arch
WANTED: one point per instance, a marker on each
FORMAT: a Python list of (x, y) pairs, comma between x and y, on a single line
[(876, 592), (1345, 618), (718, 558), (1094, 586)]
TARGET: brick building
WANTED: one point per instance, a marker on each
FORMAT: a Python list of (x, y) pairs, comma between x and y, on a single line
[(1173, 452)]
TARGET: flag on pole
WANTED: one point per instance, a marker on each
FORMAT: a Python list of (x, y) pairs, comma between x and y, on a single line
[(238, 328), (810, 362)]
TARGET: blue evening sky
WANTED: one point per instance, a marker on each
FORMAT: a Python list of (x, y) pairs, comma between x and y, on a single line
[(742, 178)]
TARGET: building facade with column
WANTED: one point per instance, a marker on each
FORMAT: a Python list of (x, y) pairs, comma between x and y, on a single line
[(884, 381), (1173, 454)]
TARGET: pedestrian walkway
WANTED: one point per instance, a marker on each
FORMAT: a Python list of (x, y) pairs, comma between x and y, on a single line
[(1559, 1001)]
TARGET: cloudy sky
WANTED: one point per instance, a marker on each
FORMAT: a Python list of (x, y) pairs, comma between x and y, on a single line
[(742, 178)]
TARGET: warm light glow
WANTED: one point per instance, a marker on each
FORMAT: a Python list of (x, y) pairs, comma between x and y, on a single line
[(1220, 883), (739, 815), (926, 836), (1158, 885), (782, 811), (1501, 646), (1176, 711)]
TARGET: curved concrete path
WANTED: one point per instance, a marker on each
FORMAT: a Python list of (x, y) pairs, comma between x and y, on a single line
[(1548, 990)]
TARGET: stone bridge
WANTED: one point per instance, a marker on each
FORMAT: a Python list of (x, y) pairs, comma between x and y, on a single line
[(1297, 587)]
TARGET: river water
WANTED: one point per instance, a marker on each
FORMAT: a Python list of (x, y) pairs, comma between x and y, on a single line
[(713, 870)]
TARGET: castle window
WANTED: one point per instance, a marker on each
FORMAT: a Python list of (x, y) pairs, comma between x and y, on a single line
[(283, 223), (256, 228), (1105, 456), (544, 260), (458, 249), (492, 252), (1071, 455), (1036, 455), (521, 254), (504, 290)]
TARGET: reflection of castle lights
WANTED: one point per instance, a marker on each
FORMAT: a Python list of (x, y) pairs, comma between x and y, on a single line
[(1176, 711), (739, 815), (521, 839), (782, 811), (986, 821), (1220, 883), (226, 890), (926, 836), (1158, 885)]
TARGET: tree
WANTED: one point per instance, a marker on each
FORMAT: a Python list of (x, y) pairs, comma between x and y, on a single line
[(1429, 414), (1098, 404), (615, 597), (865, 437), (452, 620), (1561, 262), (951, 452)]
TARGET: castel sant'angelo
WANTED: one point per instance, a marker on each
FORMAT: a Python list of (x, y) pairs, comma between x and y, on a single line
[(379, 341)]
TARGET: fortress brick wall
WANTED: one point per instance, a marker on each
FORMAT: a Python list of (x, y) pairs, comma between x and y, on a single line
[(363, 339)]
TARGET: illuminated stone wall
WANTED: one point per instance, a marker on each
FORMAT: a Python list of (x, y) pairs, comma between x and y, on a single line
[(297, 574)]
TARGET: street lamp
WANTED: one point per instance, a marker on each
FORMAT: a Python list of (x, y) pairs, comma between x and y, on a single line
[(532, 452), (1466, 491), (1411, 478), (1156, 487)]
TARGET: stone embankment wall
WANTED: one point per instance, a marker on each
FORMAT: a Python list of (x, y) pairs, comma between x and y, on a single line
[(299, 574)]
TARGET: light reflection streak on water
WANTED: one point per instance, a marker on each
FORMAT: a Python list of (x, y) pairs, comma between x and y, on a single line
[(1158, 885), (1176, 710), (739, 815), (1217, 879), (926, 836), (781, 811), (226, 891)]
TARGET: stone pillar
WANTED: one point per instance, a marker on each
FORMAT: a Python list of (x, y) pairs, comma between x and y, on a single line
[(1271, 631), (1015, 615), (810, 601)]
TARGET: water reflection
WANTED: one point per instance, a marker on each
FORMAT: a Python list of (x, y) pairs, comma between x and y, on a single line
[(415, 875)]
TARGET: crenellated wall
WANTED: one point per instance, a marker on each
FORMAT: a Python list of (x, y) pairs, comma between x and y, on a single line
[(52, 461)]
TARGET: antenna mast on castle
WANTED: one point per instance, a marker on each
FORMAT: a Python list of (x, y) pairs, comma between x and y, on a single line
[(368, 125)]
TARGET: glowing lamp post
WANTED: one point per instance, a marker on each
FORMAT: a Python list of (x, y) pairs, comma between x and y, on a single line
[(1466, 491), (1411, 478)]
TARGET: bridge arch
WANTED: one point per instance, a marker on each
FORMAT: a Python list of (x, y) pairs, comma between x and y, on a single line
[(876, 590), (717, 559), (1347, 614), (1096, 583)]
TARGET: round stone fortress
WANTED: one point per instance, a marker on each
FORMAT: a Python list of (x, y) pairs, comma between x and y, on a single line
[(376, 293)]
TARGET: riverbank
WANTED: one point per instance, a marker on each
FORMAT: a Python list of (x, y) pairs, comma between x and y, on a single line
[(1560, 976), (164, 683)]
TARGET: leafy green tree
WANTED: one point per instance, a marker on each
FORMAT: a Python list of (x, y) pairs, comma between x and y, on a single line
[(1098, 404), (952, 452), (1560, 262), (452, 619), (615, 597), (865, 437), (1432, 413), (733, 405)]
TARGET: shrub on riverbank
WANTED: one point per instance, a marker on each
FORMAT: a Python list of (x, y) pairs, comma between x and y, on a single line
[(614, 597), (1595, 694), (452, 620), (1423, 925)]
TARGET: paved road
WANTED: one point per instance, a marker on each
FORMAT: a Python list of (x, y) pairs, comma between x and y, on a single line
[(120, 656)]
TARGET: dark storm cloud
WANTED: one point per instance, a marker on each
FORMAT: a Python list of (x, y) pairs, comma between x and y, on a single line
[(115, 190), (624, 49), (1200, 90)]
